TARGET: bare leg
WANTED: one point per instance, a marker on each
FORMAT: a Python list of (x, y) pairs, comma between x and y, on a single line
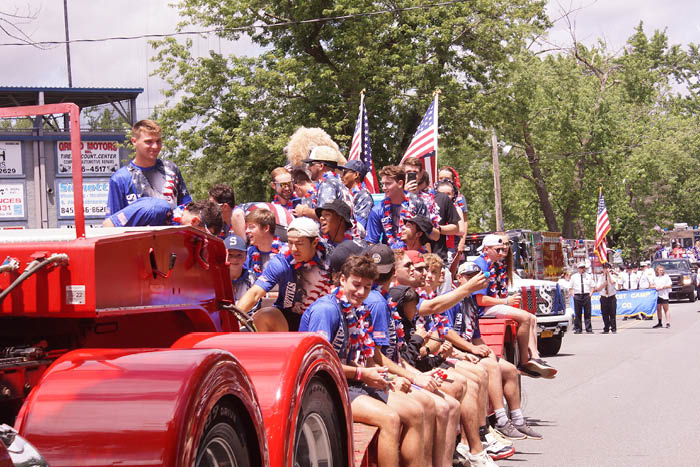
[(411, 415), (431, 436), (667, 313), (495, 381), (511, 390), (270, 319), (376, 413), (658, 311)]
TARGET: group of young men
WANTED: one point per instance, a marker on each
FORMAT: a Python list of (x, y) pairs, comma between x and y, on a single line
[(383, 283)]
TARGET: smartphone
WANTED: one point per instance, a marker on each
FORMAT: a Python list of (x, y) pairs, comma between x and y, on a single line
[(411, 176), (295, 202)]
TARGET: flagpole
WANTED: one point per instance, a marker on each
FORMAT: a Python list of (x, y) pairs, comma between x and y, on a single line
[(362, 123), (434, 170)]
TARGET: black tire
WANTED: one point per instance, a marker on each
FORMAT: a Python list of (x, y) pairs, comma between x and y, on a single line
[(691, 297), (549, 346), (223, 442), (319, 437)]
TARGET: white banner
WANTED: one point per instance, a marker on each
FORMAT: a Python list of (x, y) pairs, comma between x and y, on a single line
[(94, 198), (11, 200), (10, 158), (99, 157)]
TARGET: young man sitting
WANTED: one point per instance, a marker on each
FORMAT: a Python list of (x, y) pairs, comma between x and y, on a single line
[(336, 222), (242, 278), (260, 230), (340, 317)]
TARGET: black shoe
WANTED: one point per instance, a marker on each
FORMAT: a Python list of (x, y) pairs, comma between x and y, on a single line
[(614, 331), (528, 372), (577, 332), (659, 325), (624, 318), (589, 332), (668, 325), (604, 332)]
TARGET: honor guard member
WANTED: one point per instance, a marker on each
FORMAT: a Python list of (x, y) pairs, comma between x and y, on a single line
[(582, 286), (607, 286)]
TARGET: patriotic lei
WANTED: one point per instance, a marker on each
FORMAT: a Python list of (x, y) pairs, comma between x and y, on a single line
[(440, 321), (287, 206), (398, 322), (347, 236), (359, 330), (256, 259), (391, 240), (429, 201), (304, 264), (498, 282)]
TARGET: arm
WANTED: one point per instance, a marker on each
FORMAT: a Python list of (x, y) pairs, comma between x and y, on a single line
[(251, 297), (238, 222), (450, 299), (485, 300), (374, 227), (463, 344)]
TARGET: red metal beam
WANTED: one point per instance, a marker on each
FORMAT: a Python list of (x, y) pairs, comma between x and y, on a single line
[(74, 113)]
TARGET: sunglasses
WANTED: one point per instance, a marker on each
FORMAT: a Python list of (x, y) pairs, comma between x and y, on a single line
[(500, 249), (284, 184)]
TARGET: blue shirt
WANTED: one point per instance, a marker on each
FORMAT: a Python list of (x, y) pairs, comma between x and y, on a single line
[(380, 314), (363, 203), (375, 229), (144, 211), (131, 182), (324, 317), (465, 319)]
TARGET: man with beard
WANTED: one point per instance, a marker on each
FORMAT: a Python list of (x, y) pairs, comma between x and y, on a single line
[(284, 188)]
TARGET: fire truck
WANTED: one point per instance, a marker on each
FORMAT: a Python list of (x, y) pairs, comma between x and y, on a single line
[(121, 346)]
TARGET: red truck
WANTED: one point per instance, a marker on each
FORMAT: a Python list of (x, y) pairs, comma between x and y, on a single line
[(120, 346)]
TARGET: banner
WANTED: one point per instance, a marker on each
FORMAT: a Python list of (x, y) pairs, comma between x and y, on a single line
[(99, 157), (94, 198), (629, 303), (12, 200), (10, 158)]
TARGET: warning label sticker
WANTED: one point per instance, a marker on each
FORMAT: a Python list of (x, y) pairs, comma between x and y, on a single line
[(75, 295)]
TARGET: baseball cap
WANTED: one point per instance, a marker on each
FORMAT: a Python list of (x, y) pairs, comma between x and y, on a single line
[(382, 256), (491, 240), (424, 225), (467, 268), (234, 242), (581, 264), (398, 292), (305, 226), (356, 166), (339, 207), (143, 211), (343, 251), (325, 154), (415, 256)]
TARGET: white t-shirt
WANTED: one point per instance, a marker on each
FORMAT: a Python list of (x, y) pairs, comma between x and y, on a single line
[(663, 285)]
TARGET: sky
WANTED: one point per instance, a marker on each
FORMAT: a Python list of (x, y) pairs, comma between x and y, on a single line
[(127, 63)]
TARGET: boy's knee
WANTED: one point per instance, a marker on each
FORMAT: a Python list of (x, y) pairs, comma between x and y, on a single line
[(270, 319)]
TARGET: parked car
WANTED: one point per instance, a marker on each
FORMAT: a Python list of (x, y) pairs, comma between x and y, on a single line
[(549, 304), (683, 278)]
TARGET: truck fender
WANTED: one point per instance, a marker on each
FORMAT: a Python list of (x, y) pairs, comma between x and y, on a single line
[(135, 407), (282, 366)]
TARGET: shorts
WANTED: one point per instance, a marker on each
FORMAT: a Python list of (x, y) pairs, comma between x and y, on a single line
[(496, 311), (661, 301), (357, 389)]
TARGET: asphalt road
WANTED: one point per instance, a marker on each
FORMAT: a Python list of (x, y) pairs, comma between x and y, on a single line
[(625, 399)]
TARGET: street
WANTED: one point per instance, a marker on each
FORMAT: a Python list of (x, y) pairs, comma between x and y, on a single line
[(625, 399)]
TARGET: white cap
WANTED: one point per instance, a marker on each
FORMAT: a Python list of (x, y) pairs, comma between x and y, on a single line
[(581, 264), (491, 240), (305, 226)]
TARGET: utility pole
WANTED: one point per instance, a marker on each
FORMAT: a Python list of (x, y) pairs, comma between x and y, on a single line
[(496, 180), (65, 21)]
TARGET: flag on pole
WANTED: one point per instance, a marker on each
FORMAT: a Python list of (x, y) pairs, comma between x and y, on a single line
[(360, 148), (424, 144), (602, 227)]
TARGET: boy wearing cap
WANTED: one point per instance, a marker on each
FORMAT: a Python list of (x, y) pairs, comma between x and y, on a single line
[(386, 220), (415, 233), (494, 302), (354, 172), (260, 229), (336, 222), (242, 278), (341, 318), (301, 274)]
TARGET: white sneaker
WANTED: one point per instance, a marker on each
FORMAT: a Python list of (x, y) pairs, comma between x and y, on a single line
[(463, 449), (481, 460), (496, 434), (496, 449)]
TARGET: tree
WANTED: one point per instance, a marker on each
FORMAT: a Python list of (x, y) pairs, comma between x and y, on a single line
[(236, 113)]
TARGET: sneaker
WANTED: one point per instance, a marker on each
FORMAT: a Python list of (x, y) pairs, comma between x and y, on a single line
[(458, 460), (525, 371), (500, 437), (540, 367), (577, 332), (508, 431), (658, 325), (527, 431), (668, 325), (481, 460), (614, 331), (604, 332), (496, 449)]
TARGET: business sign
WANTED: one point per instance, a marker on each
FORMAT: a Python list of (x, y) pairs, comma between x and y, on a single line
[(12, 201), (629, 303), (94, 198), (10, 158), (99, 157)]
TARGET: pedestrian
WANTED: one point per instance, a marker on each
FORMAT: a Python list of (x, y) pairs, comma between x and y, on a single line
[(662, 284), (582, 285), (564, 283), (607, 285)]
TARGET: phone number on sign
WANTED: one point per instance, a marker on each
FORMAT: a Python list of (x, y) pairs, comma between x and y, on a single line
[(88, 210)]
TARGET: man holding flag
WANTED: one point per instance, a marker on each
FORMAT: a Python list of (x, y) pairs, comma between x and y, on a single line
[(602, 227)]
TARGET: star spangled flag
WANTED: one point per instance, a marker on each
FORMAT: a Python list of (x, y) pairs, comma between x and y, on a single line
[(602, 227), (360, 148), (424, 144)]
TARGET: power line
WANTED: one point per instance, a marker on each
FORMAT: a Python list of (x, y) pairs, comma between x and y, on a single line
[(240, 28)]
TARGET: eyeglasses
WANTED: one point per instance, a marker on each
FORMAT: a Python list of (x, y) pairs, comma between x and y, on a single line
[(420, 268), (500, 249), (284, 184)]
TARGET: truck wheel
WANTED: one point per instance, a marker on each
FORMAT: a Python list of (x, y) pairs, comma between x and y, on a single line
[(221, 443), (691, 297), (317, 441), (550, 346)]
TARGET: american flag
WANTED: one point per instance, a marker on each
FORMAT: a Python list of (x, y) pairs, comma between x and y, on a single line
[(360, 148), (425, 142), (602, 227)]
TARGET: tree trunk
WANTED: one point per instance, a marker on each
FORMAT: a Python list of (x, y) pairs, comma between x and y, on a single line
[(540, 184)]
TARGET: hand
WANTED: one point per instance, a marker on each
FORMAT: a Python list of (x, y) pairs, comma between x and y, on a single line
[(445, 349), (401, 384), (477, 282), (411, 186), (514, 300), (426, 381), (375, 377), (481, 350), (300, 211)]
